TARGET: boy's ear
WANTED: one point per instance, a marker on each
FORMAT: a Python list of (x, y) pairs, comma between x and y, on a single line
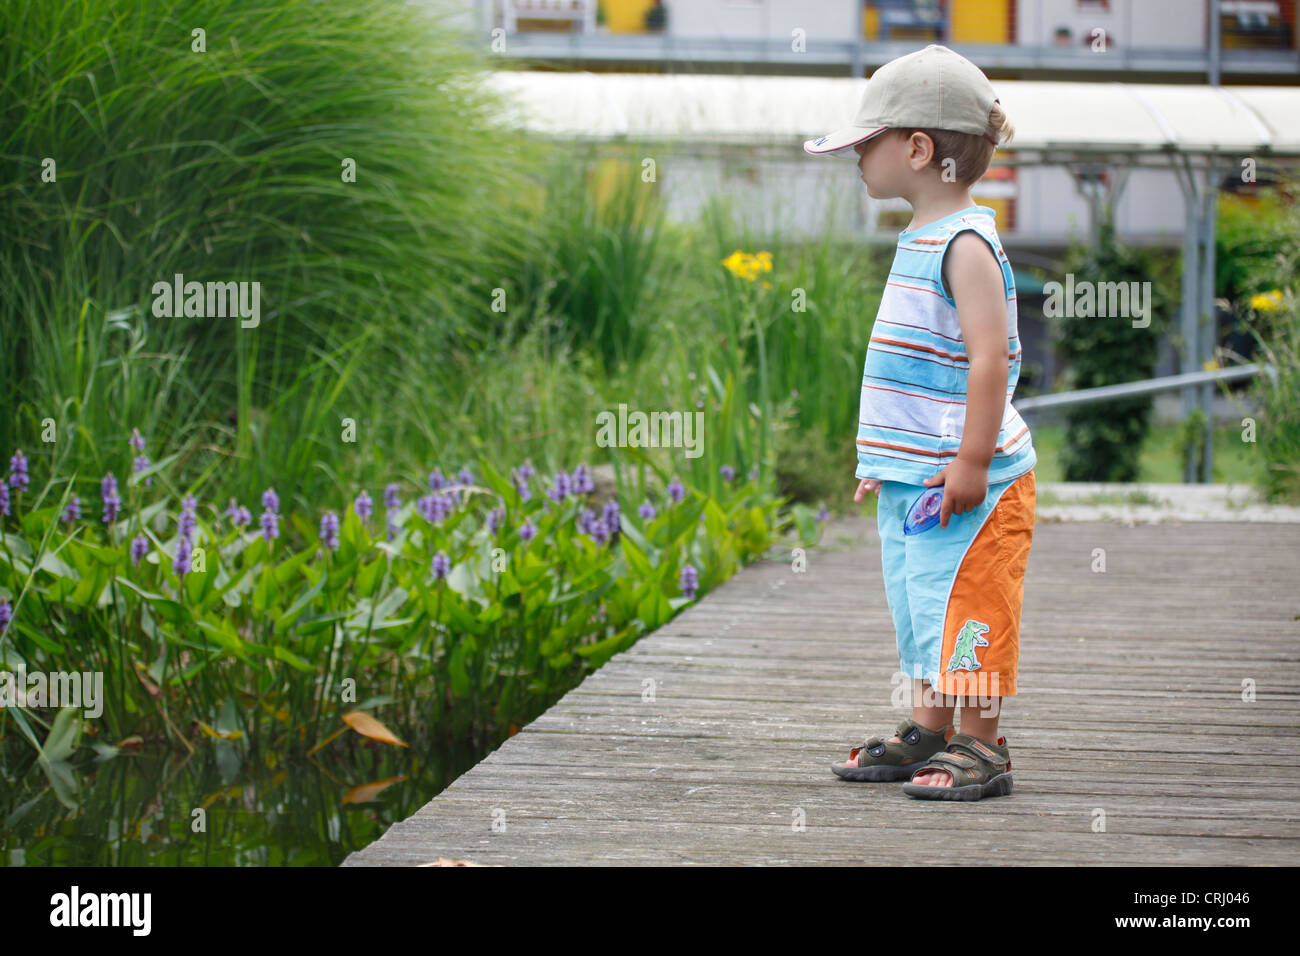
[(921, 151)]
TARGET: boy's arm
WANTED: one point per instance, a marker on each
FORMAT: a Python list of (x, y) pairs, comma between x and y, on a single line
[(974, 279)]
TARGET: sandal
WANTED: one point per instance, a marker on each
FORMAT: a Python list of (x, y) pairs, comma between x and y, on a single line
[(978, 770), (880, 759)]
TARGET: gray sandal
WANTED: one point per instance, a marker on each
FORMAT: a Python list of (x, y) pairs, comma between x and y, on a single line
[(881, 760), (978, 770)]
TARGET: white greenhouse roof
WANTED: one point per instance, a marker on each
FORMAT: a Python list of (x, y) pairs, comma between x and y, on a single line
[(1102, 117)]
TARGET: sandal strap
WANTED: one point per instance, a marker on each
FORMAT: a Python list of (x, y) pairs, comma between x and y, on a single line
[(980, 751)]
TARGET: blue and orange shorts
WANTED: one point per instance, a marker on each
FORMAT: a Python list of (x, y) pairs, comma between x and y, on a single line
[(955, 593)]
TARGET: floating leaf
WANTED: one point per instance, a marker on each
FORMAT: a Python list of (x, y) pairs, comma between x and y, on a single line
[(368, 726)]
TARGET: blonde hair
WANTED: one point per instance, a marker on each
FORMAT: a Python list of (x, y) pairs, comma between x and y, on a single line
[(971, 153)]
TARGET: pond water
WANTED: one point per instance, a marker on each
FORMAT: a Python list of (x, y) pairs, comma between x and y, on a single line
[(216, 808)]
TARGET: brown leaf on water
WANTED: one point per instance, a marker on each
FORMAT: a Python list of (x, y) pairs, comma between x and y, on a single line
[(448, 861), (368, 726), (368, 791)]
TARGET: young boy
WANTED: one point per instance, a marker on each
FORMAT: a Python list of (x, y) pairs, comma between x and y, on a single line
[(940, 371)]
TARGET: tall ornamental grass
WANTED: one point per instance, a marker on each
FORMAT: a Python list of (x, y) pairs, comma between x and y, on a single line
[(136, 149)]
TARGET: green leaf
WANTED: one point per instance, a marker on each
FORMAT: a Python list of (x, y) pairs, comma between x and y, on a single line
[(287, 619), (292, 659), (63, 736)]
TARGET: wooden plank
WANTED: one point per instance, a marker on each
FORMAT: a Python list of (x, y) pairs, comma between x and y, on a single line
[(1130, 705)]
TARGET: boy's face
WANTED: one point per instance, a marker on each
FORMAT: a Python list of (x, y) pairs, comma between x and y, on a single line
[(889, 163)]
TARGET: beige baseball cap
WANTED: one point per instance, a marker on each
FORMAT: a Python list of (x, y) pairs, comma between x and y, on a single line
[(934, 88)]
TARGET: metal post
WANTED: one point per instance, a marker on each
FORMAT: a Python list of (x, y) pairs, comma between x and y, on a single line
[(1188, 352), (1215, 42), (1208, 312), (858, 65)]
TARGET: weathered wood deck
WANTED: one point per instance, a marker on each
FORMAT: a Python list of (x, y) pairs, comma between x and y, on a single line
[(1130, 705)]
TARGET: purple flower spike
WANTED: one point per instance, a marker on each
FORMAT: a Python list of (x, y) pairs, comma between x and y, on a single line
[(391, 500), (560, 490), (181, 561), (646, 511), (244, 517), (599, 531), (362, 506), (823, 514), (270, 524), (188, 521), (271, 501), (465, 476), (140, 464), (690, 582), (494, 519), (436, 480), (139, 548), (329, 530), (728, 473), (676, 491), (527, 532), (18, 472), (73, 511), (611, 516), (4, 498), (582, 482), (6, 615), (137, 442), (112, 503), (441, 565), (526, 471)]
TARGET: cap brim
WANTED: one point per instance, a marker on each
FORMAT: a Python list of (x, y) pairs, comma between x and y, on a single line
[(841, 141)]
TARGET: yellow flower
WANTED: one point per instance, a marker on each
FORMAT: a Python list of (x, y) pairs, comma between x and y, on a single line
[(1267, 301), (746, 266)]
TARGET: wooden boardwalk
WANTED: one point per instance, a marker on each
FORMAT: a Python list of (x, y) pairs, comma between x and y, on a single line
[(1130, 707)]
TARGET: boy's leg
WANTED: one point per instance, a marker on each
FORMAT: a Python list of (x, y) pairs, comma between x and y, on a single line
[(981, 637)]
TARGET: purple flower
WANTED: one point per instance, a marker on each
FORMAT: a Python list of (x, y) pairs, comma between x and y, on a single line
[(436, 480), (690, 581), (599, 531), (494, 519), (753, 473), (112, 503), (73, 511), (434, 508), (239, 515), (676, 491), (646, 511), (181, 561), (465, 476), (526, 471), (391, 500), (137, 442), (611, 516), (6, 615), (522, 474), (18, 472), (4, 498), (441, 565), (140, 463), (188, 520), (362, 506), (329, 530), (139, 548), (560, 490), (582, 482), (728, 473), (823, 514), (271, 501), (270, 524), (527, 532)]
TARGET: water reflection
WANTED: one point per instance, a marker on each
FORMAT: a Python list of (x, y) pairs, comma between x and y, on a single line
[(216, 809)]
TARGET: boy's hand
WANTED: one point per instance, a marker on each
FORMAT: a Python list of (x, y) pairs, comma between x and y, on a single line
[(965, 485), (867, 484)]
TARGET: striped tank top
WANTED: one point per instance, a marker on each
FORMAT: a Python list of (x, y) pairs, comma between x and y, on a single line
[(913, 404)]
